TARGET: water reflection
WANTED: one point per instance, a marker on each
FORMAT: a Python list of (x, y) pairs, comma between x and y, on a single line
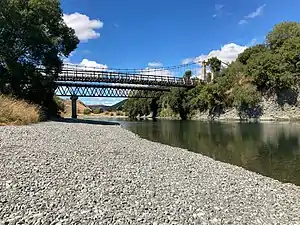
[(271, 149)]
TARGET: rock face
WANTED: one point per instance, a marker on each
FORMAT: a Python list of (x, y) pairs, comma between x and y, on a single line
[(272, 108), (62, 173)]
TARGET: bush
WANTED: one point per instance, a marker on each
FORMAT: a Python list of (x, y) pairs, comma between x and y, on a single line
[(98, 111), (18, 112), (111, 114), (86, 112), (106, 113), (118, 113)]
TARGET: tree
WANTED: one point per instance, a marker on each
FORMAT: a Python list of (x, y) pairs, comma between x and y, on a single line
[(281, 33), (251, 52), (178, 102), (187, 76), (215, 65), (33, 35)]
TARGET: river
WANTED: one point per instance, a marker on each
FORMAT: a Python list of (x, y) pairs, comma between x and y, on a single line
[(271, 149)]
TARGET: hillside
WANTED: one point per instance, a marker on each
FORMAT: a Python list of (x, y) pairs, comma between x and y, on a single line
[(68, 107), (114, 107)]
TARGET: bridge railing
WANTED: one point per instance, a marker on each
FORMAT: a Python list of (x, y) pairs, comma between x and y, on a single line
[(90, 75)]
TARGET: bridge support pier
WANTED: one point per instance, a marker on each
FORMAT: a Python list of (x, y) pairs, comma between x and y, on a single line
[(74, 107)]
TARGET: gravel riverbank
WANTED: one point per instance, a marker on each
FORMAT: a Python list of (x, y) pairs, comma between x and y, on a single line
[(64, 173)]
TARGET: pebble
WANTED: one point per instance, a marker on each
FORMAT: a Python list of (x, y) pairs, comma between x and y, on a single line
[(63, 173)]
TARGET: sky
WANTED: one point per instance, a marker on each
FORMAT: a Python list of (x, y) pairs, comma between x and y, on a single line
[(145, 34)]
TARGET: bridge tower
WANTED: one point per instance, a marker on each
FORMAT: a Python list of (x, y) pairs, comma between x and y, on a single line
[(204, 70)]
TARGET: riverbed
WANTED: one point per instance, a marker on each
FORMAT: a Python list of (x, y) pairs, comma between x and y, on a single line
[(102, 174), (269, 148)]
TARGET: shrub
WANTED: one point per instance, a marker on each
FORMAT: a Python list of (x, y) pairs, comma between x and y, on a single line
[(86, 112), (18, 112), (98, 111), (118, 113), (111, 114)]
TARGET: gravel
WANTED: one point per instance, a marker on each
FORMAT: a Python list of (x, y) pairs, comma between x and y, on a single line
[(64, 173)]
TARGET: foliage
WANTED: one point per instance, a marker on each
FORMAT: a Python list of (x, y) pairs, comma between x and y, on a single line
[(270, 68), (137, 107), (215, 65), (33, 35), (86, 111), (12, 111), (98, 111), (178, 102), (282, 33), (245, 96), (251, 52)]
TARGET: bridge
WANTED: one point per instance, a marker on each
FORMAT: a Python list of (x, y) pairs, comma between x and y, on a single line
[(79, 81)]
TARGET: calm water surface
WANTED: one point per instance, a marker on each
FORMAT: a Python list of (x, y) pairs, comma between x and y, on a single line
[(271, 149)]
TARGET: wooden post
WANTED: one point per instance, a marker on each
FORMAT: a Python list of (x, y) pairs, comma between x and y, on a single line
[(74, 108)]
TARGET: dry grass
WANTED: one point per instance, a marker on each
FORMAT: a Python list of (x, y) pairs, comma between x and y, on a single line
[(17, 112)]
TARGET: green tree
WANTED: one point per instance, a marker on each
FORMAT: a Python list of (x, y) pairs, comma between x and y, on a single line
[(187, 76), (251, 52), (33, 35), (215, 65), (281, 33), (178, 102)]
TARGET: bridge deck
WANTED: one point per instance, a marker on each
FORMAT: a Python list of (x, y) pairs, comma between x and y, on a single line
[(79, 75)]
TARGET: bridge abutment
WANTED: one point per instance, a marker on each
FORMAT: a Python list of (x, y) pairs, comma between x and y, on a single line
[(74, 107)]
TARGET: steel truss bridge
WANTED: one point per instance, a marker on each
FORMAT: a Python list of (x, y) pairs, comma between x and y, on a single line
[(76, 80)]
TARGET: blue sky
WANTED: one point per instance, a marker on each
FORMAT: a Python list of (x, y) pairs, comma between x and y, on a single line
[(139, 34)]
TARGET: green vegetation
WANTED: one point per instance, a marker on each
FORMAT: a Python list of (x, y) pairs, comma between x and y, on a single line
[(33, 35), (270, 69), (86, 111), (98, 111)]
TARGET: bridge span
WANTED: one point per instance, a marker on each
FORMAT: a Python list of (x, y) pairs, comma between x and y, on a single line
[(78, 81)]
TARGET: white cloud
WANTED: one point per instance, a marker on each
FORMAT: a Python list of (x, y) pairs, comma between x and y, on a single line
[(93, 64), (218, 7), (188, 60), (156, 72), (84, 27), (252, 15), (227, 54), (241, 22), (256, 13), (252, 42), (155, 64)]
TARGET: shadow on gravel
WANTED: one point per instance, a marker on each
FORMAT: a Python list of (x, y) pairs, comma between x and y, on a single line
[(94, 122)]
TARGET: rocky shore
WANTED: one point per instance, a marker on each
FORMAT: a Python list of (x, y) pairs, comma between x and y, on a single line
[(67, 173)]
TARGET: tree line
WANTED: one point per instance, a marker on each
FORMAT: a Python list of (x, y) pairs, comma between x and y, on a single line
[(263, 70)]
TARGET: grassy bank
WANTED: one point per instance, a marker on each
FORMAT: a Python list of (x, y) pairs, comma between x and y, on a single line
[(17, 112)]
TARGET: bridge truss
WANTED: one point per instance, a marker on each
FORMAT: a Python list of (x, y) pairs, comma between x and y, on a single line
[(104, 90), (80, 81)]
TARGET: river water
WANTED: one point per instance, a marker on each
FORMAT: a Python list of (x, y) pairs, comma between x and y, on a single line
[(271, 149)]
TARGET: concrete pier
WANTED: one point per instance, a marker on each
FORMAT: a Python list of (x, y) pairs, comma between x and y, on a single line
[(74, 108)]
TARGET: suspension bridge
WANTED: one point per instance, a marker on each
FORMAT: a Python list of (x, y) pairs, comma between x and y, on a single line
[(79, 81)]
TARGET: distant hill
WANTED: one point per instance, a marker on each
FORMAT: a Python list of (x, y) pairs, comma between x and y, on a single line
[(115, 107), (68, 107)]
